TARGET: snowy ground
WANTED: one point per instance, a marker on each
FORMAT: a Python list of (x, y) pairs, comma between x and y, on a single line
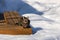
[(44, 16)]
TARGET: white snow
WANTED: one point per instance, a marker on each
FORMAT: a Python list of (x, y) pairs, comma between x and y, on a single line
[(45, 26)]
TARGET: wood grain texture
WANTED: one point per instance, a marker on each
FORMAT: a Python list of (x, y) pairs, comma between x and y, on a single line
[(15, 30), (8, 25)]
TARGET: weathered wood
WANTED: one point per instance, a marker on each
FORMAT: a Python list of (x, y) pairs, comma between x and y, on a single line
[(15, 30), (9, 24), (11, 17)]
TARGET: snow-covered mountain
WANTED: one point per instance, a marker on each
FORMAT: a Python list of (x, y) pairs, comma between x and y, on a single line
[(43, 14)]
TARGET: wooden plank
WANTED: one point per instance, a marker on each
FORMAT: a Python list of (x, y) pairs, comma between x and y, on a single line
[(15, 30), (11, 18)]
